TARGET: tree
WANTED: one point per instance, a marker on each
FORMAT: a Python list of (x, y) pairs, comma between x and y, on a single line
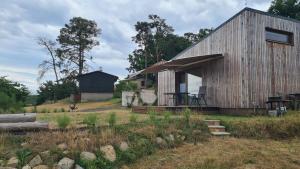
[(12, 94), (287, 8), (76, 39), (156, 42), (54, 63), (194, 38)]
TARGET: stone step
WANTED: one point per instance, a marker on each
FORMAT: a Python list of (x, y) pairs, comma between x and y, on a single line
[(220, 133), (216, 128), (212, 122)]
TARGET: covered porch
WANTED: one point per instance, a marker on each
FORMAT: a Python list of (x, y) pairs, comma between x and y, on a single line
[(182, 82)]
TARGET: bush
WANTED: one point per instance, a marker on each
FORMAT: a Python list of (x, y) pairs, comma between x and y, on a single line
[(63, 121), (62, 109), (124, 86), (112, 119), (167, 117)]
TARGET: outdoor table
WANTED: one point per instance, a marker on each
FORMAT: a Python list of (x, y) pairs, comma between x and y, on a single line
[(177, 96), (296, 100), (277, 100)]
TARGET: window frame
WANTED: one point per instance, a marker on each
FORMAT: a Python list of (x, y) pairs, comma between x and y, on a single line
[(289, 34)]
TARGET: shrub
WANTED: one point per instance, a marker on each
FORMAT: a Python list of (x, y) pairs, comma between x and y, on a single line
[(112, 119), (12, 110), (55, 110), (167, 117), (152, 117), (1, 111), (44, 110), (133, 119), (90, 120), (187, 116), (22, 156), (63, 121), (62, 109)]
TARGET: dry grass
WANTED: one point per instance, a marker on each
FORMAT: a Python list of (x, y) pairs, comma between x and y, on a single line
[(123, 116), (227, 153), (81, 106)]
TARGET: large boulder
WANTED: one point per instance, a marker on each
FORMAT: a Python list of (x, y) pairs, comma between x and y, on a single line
[(26, 167), (160, 141), (40, 167), (78, 167), (123, 146), (65, 163), (87, 156), (37, 160), (109, 152), (12, 162)]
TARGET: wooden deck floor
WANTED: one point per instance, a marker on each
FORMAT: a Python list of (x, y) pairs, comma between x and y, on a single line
[(175, 109)]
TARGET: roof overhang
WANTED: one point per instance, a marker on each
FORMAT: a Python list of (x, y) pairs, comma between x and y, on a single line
[(183, 63)]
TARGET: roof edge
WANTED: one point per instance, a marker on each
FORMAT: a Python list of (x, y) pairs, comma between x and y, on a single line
[(231, 18)]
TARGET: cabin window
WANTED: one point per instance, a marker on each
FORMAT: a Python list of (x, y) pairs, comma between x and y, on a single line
[(279, 36)]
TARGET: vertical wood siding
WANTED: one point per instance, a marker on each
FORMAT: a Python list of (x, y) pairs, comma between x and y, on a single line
[(166, 83), (252, 68)]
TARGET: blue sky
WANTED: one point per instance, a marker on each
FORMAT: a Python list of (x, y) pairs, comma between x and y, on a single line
[(22, 21)]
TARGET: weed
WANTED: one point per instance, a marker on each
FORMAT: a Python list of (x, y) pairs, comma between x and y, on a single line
[(44, 110), (187, 117), (133, 119), (167, 117), (63, 121), (55, 110), (62, 110), (91, 120), (22, 156), (34, 110)]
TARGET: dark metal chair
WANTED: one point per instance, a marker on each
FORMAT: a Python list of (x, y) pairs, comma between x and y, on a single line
[(200, 97)]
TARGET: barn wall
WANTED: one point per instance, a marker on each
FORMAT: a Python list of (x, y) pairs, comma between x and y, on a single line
[(269, 68), (166, 83)]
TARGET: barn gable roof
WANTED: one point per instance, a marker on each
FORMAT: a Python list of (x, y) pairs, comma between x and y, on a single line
[(233, 17), (115, 78)]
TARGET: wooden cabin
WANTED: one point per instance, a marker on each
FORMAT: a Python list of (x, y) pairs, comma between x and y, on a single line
[(250, 57), (96, 86)]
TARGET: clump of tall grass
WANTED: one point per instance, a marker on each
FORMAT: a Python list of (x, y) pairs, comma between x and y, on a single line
[(63, 121), (23, 156), (133, 119), (91, 121), (112, 119)]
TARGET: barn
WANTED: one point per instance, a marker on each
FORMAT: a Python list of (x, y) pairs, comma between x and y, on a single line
[(96, 86), (252, 56)]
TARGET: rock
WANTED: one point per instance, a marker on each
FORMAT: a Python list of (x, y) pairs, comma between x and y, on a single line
[(24, 144), (26, 167), (66, 152), (62, 146), (7, 168), (123, 146), (109, 152), (65, 163), (161, 141), (45, 154), (37, 160), (171, 137), (40, 167), (78, 167), (87, 156), (12, 162)]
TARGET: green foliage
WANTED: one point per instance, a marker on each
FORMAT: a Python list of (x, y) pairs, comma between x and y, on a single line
[(286, 8), (167, 117), (22, 156), (53, 91), (13, 90), (76, 39), (63, 121), (62, 110), (265, 127), (100, 162), (187, 116), (124, 86), (44, 110), (112, 119), (133, 119), (194, 38), (90, 120), (34, 110), (152, 117)]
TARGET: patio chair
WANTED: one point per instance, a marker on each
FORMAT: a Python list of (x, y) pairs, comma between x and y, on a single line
[(200, 97)]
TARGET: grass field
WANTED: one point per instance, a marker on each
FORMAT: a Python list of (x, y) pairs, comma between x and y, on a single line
[(227, 153)]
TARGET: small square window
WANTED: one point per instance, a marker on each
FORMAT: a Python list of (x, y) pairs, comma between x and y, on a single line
[(279, 36)]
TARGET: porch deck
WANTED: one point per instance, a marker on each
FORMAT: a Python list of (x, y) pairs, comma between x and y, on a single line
[(175, 109)]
